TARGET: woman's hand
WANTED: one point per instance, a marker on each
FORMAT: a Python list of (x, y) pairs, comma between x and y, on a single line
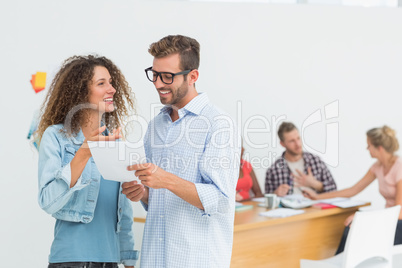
[(115, 134), (133, 190), (96, 135)]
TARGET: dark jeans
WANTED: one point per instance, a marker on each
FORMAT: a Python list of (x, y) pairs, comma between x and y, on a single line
[(397, 240), (83, 265)]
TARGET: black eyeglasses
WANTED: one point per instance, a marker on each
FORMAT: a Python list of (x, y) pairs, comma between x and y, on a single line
[(166, 77)]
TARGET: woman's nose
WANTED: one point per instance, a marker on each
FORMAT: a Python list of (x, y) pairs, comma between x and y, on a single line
[(111, 89)]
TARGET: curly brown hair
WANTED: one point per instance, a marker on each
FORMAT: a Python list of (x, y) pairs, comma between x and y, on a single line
[(70, 89)]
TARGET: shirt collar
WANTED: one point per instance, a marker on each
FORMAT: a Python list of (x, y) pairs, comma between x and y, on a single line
[(304, 157), (195, 106)]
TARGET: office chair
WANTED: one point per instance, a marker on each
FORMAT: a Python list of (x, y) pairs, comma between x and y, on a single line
[(370, 242), (397, 256)]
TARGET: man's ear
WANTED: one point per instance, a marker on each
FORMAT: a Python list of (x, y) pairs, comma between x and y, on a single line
[(281, 143), (192, 77)]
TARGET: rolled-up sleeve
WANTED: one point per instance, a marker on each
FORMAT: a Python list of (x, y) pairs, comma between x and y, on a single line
[(53, 178), (219, 168)]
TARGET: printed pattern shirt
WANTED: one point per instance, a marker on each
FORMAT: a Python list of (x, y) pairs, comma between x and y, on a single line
[(279, 173), (202, 147)]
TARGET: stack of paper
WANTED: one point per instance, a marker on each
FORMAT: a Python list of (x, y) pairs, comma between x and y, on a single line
[(343, 202), (281, 212), (296, 201), (348, 203)]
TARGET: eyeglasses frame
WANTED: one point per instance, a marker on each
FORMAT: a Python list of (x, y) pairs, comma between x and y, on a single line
[(160, 75)]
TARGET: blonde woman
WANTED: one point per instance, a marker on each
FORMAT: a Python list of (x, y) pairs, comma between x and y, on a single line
[(382, 145)]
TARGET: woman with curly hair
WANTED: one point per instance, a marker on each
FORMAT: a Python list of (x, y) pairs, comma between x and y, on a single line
[(86, 101), (382, 145)]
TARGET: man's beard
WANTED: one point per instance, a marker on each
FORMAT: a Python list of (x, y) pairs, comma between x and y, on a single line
[(177, 95), (293, 153)]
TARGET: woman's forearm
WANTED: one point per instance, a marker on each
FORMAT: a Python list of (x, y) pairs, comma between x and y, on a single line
[(78, 164)]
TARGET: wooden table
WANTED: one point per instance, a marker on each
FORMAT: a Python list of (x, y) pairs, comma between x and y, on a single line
[(281, 242)]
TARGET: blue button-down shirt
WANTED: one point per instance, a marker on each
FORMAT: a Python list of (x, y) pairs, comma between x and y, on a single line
[(202, 146)]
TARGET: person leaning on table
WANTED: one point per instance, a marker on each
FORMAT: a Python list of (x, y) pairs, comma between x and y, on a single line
[(382, 145)]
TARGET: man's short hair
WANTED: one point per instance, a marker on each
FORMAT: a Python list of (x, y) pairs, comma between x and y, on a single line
[(285, 127), (187, 48)]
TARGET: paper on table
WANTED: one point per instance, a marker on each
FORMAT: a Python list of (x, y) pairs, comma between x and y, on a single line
[(281, 212), (348, 203), (113, 157), (333, 200), (258, 199), (343, 202)]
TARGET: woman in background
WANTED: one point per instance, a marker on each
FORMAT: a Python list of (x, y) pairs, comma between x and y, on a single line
[(382, 145), (87, 98), (247, 181)]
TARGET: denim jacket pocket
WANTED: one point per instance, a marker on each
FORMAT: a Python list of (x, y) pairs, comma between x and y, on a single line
[(69, 153)]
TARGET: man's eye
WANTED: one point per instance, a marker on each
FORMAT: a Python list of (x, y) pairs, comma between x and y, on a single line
[(167, 76)]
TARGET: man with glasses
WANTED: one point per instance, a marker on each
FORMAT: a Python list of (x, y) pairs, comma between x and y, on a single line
[(193, 152)]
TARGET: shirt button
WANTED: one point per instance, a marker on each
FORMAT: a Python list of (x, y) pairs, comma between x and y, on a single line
[(161, 216), (120, 210), (161, 239)]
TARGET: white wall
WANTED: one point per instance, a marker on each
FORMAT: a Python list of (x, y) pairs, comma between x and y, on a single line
[(272, 60)]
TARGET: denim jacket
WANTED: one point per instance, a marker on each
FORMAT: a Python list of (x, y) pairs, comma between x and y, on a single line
[(77, 204)]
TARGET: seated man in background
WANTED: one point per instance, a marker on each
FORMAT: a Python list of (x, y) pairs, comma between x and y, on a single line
[(296, 169)]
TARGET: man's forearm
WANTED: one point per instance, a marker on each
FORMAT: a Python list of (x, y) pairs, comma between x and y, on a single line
[(184, 189)]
